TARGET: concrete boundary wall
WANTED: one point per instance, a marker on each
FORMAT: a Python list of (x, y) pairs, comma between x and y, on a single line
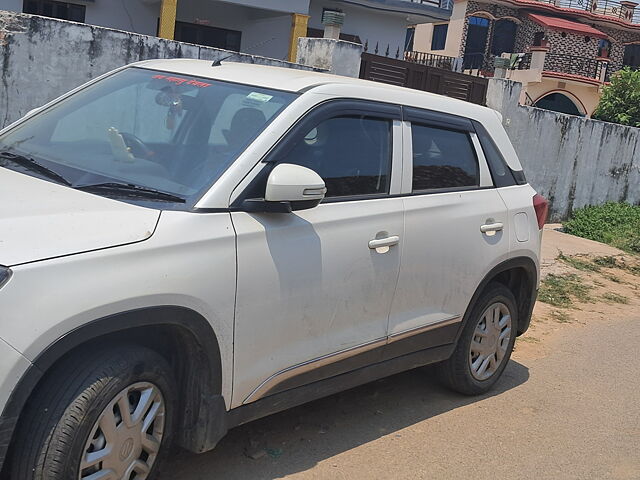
[(41, 58), (573, 161)]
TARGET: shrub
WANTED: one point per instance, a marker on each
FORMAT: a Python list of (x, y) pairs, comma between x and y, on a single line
[(620, 101), (617, 224)]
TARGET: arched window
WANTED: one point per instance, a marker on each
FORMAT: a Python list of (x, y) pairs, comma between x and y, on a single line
[(604, 47), (476, 45), (559, 102), (504, 37)]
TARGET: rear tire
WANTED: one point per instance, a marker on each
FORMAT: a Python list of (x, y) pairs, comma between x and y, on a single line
[(485, 345), (97, 412)]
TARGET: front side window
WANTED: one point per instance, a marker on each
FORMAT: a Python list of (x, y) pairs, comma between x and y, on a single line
[(442, 159), (352, 154), (169, 132)]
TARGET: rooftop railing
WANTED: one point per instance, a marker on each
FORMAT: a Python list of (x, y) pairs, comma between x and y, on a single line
[(447, 4), (609, 8)]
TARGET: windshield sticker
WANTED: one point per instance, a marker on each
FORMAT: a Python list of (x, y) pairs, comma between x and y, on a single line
[(259, 97), (182, 81)]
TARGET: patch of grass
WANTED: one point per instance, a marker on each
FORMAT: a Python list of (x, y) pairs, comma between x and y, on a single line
[(617, 224), (613, 279), (562, 290), (579, 264), (615, 298), (608, 261), (529, 339), (560, 316)]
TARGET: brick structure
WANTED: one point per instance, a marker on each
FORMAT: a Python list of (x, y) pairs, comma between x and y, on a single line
[(576, 49)]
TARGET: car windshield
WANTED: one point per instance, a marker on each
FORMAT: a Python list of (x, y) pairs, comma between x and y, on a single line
[(152, 130)]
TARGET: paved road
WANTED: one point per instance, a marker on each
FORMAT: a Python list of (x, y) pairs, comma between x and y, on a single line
[(572, 414)]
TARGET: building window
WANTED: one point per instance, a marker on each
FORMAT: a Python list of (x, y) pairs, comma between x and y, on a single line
[(604, 47), (347, 37), (209, 36), (50, 8), (408, 40), (474, 51), (631, 56), (538, 38), (439, 36), (504, 37)]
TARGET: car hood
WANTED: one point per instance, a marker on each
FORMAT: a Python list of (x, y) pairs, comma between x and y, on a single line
[(40, 220)]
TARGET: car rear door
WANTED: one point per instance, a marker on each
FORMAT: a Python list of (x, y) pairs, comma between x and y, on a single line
[(313, 293), (456, 230)]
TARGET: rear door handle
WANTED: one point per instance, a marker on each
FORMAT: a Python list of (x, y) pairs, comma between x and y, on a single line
[(491, 227), (384, 242)]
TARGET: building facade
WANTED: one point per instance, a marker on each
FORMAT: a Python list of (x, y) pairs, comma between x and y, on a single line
[(562, 51), (261, 27)]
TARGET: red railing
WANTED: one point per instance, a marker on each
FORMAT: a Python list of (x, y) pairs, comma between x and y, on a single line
[(609, 8)]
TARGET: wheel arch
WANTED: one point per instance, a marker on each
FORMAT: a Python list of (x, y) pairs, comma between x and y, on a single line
[(181, 335), (520, 275)]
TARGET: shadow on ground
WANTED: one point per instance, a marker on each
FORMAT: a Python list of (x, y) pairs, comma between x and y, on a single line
[(297, 439)]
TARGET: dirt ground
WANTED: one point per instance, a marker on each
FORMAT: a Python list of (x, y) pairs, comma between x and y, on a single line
[(567, 407)]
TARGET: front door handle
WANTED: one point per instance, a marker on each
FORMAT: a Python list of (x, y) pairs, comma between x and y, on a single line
[(384, 242), (491, 228)]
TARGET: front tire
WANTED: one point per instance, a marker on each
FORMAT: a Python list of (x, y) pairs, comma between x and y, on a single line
[(485, 345), (100, 416)]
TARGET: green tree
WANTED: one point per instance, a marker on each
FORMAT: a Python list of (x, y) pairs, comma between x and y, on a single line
[(620, 101)]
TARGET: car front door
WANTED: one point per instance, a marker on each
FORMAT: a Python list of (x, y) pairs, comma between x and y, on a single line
[(456, 230), (313, 294)]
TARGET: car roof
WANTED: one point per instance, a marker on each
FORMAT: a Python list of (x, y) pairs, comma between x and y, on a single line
[(314, 82), (290, 79)]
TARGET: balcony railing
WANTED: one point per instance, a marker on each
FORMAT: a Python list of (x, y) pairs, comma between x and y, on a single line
[(431, 60), (447, 4), (610, 8), (574, 65)]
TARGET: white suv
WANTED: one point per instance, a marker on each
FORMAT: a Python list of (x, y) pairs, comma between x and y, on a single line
[(187, 247)]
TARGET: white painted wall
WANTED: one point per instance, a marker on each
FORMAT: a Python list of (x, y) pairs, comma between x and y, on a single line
[(11, 5), (264, 32), (384, 27), (129, 15), (285, 6)]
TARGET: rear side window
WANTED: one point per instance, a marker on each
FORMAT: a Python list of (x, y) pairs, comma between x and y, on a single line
[(442, 159), (351, 153)]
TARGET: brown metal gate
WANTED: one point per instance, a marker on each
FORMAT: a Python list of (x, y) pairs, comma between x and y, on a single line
[(422, 77)]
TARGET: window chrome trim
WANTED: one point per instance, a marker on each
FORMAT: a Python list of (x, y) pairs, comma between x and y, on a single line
[(261, 390)]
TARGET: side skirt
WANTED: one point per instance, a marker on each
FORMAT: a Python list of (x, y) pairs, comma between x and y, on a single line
[(313, 391)]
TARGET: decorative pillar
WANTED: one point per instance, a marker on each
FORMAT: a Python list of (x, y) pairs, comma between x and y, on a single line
[(602, 68), (627, 9), (299, 24), (538, 56), (167, 27)]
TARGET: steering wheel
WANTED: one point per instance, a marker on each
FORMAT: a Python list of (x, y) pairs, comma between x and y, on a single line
[(138, 148)]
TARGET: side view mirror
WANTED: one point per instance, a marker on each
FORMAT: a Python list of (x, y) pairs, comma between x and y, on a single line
[(289, 188)]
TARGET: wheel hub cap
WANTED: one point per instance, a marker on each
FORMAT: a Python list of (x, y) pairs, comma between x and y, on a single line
[(124, 442), (490, 341)]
